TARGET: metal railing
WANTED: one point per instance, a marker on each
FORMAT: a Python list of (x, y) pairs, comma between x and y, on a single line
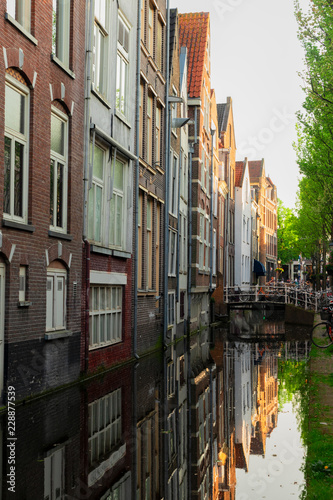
[(300, 296)]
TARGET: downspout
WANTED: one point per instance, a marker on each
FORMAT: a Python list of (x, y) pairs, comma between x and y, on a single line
[(167, 173), (178, 215), (226, 218), (166, 253), (136, 185), (90, 9), (211, 214), (189, 232)]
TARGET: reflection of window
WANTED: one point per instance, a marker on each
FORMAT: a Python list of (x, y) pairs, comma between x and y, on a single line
[(58, 171), (122, 66), (61, 30), (56, 297), (173, 183), (106, 201), (54, 474), (15, 197), (105, 315), (172, 434), (20, 10), (100, 47), (104, 426), (171, 308)]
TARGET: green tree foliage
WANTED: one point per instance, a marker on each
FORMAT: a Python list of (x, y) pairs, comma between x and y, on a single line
[(314, 146), (287, 234)]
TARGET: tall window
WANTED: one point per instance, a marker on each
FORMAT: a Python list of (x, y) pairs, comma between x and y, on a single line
[(58, 171), (117, 206), (122, 66), (100, 46), (54, 474), (173, 183), (159, 44), (201, 241), (172, 252), (56, 297), (149, 260), (61, 30), (105, 315), (15, 197), (149, 129), (158, 135), (142, 92), (171, 308), (104, 426), (20, 10), (151, 20), (107, 200), (140, 229)]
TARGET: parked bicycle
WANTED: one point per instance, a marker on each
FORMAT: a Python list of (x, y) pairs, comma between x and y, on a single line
[(322, 333)]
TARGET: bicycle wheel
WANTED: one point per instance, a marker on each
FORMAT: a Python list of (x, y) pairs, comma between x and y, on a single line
[(322, 335)]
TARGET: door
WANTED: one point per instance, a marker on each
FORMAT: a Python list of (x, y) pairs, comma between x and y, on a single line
[(2, 326)]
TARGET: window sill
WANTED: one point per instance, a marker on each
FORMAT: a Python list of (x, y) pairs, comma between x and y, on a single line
[(59, 334), (100, 97), (106, 344), (63, 236), (147, 293), (123, 118), (108, 251), (21, 29), (18, 225), (62, 66), (24, 303)]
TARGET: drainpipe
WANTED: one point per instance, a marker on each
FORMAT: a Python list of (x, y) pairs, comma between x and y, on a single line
[(178, 215), (90, 10), (136, 185), (167, 171), (189, 232), (212, 132), (226, 222)]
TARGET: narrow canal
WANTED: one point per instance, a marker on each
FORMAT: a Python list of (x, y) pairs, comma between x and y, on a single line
[(218, 416)]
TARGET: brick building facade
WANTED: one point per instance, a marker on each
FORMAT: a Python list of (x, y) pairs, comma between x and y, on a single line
[(41, 92)]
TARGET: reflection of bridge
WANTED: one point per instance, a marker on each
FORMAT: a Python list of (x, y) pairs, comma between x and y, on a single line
[(306, 299)]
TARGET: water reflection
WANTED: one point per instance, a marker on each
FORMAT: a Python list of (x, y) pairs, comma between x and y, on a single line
[(183, 425)]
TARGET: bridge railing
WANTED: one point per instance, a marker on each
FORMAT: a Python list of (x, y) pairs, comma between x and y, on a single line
[(302, 297)]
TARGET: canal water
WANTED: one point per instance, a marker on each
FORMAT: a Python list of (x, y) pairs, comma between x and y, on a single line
[(216, 416)]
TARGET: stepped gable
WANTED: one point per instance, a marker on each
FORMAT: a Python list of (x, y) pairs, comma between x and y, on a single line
[(193, 34)]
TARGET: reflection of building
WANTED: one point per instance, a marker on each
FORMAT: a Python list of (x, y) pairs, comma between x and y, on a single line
[(106, 435), (203, 452), (224, 470), (150, 430), (243, 403), (264, 420)]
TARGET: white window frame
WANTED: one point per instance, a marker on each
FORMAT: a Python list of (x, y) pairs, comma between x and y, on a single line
[(54, 474), (100, 47), (122, 86), (201, 240), (103, 235), (61, 30), (20, 11), (56, 303), (60, 159), (105, 323), (104, 426), (17, 137), (172, 252), (173, 183)]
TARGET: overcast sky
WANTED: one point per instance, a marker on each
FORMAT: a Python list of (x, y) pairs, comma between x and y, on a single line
[(255, 59)]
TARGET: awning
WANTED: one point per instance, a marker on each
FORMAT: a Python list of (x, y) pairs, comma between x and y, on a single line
[(258, 268)]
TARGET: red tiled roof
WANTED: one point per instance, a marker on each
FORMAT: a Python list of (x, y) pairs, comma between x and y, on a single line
[(193, 34), (239, 173), (255, 168)]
